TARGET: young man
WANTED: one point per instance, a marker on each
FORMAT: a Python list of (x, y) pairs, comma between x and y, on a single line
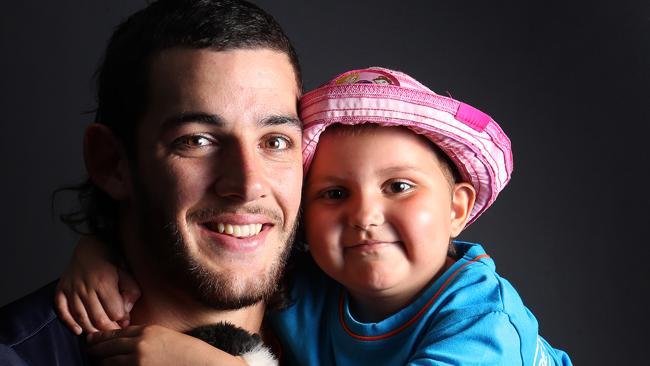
[(194, 168)]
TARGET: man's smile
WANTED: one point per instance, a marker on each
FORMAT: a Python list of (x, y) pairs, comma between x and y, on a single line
[(239, 231), (236, 232)]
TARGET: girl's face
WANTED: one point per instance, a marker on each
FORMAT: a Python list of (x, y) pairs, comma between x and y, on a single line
[(379, 211)]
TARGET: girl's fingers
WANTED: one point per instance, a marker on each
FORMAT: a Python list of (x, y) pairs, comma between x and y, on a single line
[(100, 337), (111, 347), (128, 288), (112, 302), (80, 315), (114, 346), (61, 304), (97, 314)]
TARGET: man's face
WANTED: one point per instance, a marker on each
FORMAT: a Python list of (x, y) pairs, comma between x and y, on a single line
[(218, 170)]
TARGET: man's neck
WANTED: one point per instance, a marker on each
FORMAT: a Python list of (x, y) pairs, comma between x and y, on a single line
[(175, 310)]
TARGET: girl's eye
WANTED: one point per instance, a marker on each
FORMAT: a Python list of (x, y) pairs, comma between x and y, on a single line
[(277, 143), (334, 194), (399, 187)]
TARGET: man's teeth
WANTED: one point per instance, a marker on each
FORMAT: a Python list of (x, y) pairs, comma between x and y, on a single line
[(240, 231)]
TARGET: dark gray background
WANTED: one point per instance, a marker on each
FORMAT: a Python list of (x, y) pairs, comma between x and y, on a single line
[(568, 82)]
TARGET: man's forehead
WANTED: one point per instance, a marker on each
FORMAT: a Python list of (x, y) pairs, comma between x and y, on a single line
[(258, 85)]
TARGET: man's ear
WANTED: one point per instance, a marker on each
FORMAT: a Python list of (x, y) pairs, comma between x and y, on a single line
[(106, 161), (463, 196)]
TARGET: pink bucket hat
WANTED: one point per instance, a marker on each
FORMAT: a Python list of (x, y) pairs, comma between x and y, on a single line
[(475, 143)]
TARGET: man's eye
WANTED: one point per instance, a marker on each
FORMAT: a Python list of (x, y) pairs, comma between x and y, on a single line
[(399, 187), (277, 143), (193, 141)]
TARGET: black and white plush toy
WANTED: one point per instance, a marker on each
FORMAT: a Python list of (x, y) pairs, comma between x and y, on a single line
[(236, 341)]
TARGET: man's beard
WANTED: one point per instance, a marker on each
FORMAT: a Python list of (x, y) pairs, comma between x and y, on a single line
[(219, 290)]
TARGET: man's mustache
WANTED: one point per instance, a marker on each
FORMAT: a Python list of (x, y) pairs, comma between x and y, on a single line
[(205, 214)]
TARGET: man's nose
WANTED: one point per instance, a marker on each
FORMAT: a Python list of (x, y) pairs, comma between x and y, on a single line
[(242, 175), (366, 212)]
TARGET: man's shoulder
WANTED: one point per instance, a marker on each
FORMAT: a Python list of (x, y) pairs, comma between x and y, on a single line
[(31, 331), (24, 317)]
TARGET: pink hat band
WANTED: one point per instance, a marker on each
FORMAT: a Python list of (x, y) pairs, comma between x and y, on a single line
[(473, 141)]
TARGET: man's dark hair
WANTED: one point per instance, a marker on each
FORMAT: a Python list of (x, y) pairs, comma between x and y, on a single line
[(122, 78)]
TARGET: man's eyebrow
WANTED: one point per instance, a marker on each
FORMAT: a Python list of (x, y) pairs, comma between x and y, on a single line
[(216, 120), (193, 117), (276, 120)]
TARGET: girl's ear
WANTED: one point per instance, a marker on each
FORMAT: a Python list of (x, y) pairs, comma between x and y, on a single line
[(106, 161), (463, 196)]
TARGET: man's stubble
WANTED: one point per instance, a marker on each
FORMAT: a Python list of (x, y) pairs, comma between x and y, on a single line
[(163, 239)]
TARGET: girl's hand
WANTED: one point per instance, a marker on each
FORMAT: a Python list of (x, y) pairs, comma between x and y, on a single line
[(155, 345), (93, 294)]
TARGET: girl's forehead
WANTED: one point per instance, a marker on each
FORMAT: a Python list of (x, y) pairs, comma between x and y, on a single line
[(370, 131), (353, 150), (367, 137)]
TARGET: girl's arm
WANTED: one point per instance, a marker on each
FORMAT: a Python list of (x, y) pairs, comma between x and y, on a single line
[(488, 339), (94, 294), (155, 345)]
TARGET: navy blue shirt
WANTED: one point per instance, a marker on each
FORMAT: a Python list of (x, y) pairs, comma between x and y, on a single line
[(32, 334)]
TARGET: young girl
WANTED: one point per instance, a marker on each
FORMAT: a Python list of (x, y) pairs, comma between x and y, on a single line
[(394, 173)]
